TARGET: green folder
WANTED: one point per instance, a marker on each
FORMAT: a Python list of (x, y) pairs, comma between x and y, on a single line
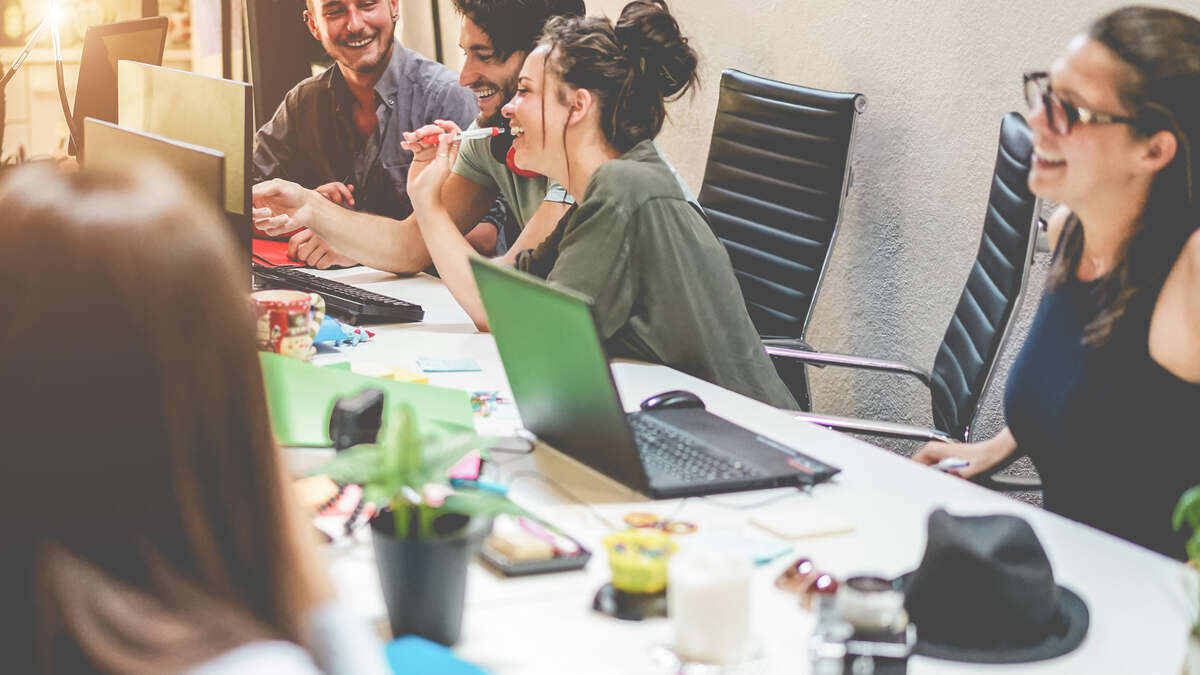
[(300, 397)]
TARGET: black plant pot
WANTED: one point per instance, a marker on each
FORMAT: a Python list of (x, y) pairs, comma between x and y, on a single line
[(425, 580)]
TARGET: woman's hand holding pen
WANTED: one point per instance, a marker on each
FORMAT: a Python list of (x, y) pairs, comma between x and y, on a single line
[(425, 185), (978, 457), (425, 152)]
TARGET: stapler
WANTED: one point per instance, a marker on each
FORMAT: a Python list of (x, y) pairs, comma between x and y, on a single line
[(356, 419)]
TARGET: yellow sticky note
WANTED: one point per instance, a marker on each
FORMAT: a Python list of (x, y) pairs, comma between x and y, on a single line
[(402, 375)]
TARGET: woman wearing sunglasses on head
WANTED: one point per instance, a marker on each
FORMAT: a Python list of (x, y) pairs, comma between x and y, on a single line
[(1105, 392), (590, 99)]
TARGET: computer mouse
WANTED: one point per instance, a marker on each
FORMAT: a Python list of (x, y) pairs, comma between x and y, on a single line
[(676, 398)]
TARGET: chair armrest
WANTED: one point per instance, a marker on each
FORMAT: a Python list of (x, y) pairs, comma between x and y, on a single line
[(786, 343), (875, 427), (848, 360)]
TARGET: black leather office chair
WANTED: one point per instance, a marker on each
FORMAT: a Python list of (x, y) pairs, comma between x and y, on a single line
[(977, 331), (777, 173)]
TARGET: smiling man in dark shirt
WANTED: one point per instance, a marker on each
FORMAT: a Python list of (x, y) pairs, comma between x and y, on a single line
[(340, 132)]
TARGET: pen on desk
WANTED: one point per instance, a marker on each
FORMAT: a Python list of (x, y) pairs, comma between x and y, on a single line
[(469, 135), (486, 486)]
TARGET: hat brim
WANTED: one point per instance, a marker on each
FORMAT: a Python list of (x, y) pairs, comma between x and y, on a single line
[(1074, 612)]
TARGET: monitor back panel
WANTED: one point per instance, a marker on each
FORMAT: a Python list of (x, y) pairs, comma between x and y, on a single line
[(110, 146), (558, 371), (197, 109), (103, 46)]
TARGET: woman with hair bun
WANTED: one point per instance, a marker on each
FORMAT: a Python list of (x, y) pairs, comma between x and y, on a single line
[(590, 99)]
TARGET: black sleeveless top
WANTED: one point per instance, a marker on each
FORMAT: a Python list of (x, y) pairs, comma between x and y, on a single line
[(1112, 433)]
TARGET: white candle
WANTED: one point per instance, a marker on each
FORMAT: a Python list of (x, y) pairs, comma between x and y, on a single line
[(708, 599)]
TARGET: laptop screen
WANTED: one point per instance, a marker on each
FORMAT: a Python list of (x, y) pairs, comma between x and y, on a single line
[(558, 370)]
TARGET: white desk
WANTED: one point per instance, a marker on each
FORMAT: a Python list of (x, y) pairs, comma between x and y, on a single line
[(1142, 604)]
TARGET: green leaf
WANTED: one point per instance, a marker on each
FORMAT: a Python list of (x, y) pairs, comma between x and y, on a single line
[(1193, 546), (1188, 507), (359, 464), (479, 503)]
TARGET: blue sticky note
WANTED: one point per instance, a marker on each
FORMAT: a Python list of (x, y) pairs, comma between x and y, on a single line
[(432, 365), (413, 654)]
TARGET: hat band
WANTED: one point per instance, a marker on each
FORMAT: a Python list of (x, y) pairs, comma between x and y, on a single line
[(994, 634)]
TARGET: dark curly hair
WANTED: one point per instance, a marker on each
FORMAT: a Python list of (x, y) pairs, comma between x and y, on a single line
[(1161, 49), (514, 25), (632, 67)]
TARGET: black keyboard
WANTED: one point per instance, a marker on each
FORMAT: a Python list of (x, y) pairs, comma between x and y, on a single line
[(665, 451), (348, 303)]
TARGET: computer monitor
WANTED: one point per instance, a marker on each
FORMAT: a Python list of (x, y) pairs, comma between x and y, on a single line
[(137, 40), (198, 109), (110, 146)]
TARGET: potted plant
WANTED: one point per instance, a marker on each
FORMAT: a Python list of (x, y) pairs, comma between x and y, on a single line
[(1188, 509), (426, 534)]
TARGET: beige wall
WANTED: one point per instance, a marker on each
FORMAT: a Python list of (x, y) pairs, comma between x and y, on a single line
[(938, 75)]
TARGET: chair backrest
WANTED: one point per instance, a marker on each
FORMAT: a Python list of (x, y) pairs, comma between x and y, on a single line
[(777, 173), (989, 301)]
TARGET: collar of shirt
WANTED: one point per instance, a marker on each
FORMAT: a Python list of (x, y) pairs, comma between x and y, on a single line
[(386, 89), (388, 86)]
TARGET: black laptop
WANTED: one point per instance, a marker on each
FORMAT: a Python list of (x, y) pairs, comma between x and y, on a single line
[(564, 390)]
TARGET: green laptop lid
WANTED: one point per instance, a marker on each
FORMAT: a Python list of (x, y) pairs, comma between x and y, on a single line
[(558, 370)]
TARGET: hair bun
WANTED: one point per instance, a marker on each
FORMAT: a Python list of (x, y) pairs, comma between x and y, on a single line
[(650, 37)]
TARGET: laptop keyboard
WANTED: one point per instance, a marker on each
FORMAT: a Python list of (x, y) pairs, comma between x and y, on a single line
[(666, 452)]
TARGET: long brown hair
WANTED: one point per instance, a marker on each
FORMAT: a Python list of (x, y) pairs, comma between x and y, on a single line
[(134, 414), (1161, 49)]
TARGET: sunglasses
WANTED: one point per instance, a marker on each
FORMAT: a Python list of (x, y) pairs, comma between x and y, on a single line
[(1060, 115)]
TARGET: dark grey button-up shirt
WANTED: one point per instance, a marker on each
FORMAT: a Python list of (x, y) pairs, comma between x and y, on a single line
[(312, 139)]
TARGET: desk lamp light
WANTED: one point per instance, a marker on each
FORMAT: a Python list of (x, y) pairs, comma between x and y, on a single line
[(51, 19)]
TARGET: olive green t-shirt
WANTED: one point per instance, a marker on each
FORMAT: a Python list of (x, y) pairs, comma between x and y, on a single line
[(523, 195), (663, 287)]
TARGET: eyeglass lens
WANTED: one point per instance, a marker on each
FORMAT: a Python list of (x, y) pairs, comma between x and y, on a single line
[(1038, 96)]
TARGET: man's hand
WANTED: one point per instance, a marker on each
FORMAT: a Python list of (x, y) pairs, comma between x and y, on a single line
[(337, 192), (281, 206), (314, 251), (424, 153)]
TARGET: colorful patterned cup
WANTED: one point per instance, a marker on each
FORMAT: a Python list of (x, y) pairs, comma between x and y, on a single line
[(288, 321)]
